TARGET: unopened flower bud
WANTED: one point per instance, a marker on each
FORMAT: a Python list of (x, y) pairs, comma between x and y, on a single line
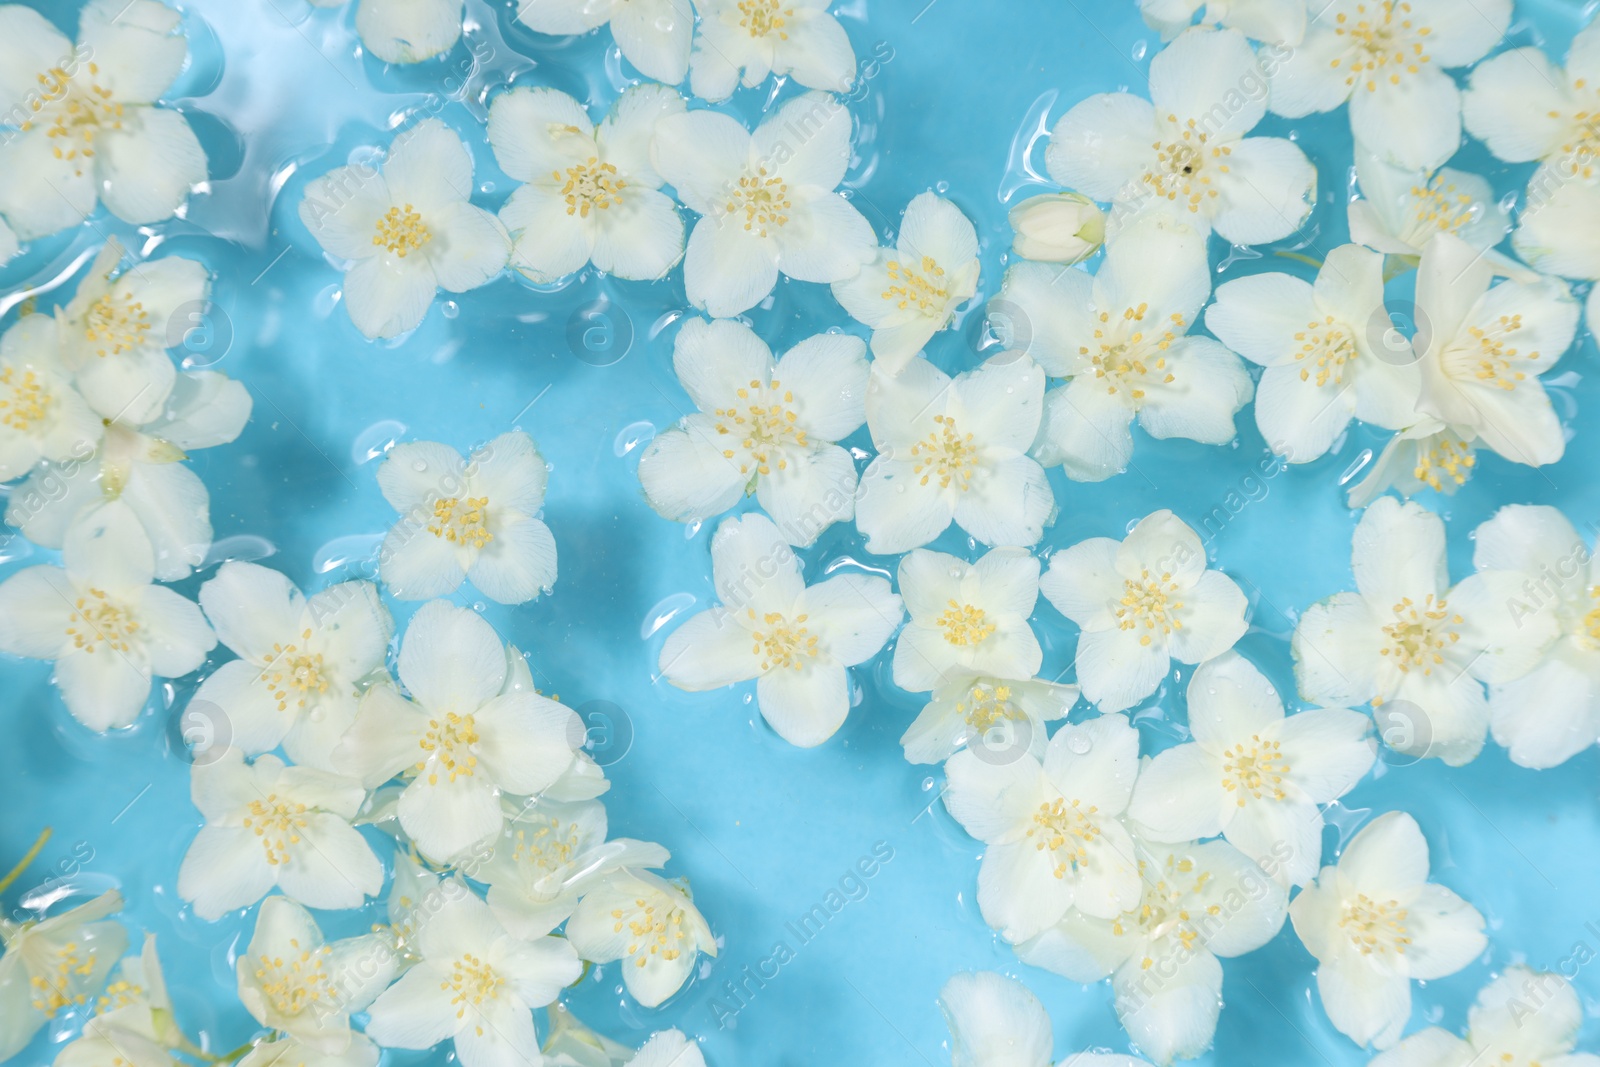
[(1057, 228)]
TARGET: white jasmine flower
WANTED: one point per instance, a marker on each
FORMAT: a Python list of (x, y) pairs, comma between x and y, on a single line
[(996, 714), (1547, 709), (1251, 774), (291, 1052), (967, 618), (995, 1021), (797, 641), (475, 984), (291, 980), (1185, 150), (1064, 228), (1375, 922), (762, 427), (1400, 210), (1388, 59), (1120, 338), (461, 738), (1269, 21), (9, 244), (546, 857), (1053, 830), (1426, 455), (42, 414), (405, 31), (132, 1023), (742, 41), (302, 665), (766, 200), (569, 1043), (472, 518), (1526, 109), (1484, 349), (108, 629), (653, 35), (91, 130), (590, 193), (668, 1048), (1556, 233), (1523, 1016), (954, 450), (55, 964), (1199, 902), (1329, 351), (141, 466), (911, 292), (1141, 603), (409, 230), (270, 825), (648, 923)]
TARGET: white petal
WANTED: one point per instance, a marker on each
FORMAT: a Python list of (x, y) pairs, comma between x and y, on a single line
[(1179, 795), (387, 297), (518, 564), (701, 154), (103, 691), (1116, 671), (754, 568), (1084, 584), (995, 1022), (1172, 1018), (641, 238), (408, 31), (709, 651), (827, 374), (1416, 123), (225, 868), (854, 615), (805, 707), (537, 131), (1398, 552), (826, 238), (654, 36), (687, 478), (1102, 144), (147, 167), (1514, 105), (1549, 715), (1388, 855), (469, 246), (40, 194), (728, 270), (1268, 192), (1199, 71), (428, 167), (451, 659), (1364, 1004), (1087, 430), (1209, 385)]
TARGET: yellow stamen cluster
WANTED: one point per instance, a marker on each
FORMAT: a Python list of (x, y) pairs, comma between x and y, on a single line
[(1375, 928), (783, 643), (1181, 173), (1149, 602), (448, 744), (764, 18), (1420, 633), (987, 705), (1447, 458), (116, 323), (1062, 828), (922, 286), (1491, 363), (1385, 41), (278, 823), (96, 619), (545, 845), (1172, 896), (299, 984), (401, 231), (294, 674), (965, 624), (471, 981), (119, 994), (763, 199), (76, 111), (1591, 621), (24, 401), (1441, 207), (53, 990), (461, 521), (1325, 347), (658, 930), (1257, 769), (1126, 350), (946, 455), (1579, 152), (765, 424), (590, 186)]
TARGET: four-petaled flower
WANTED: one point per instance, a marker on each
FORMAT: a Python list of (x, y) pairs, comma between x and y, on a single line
[(648, 923)]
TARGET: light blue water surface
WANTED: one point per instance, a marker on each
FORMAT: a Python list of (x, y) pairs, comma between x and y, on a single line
[(280, 93)]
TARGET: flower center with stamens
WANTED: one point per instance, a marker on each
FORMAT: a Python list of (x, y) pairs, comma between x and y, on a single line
[(116, 323), (1127, 354), (1164, 912), (1375, 928), (656, 930), (921, 286), (590, 186), (461, 521), (765, 17), (1257, 769), (1591, 621), (763, 199), (401, 231), (1385, 42), (277, 822), (946, 455), (448, 743), (1440, 207), (299, 983), (782, 643), (96, 619), (471, 981), (766, 426), (1151, 603), (1578, 154), (24, 401), (1448, 458), (119, 994), (1181, 173), (1325, 348), (546, 846), (1062, 828), (74, 111), (1492, 361), (986, 706), (965, 624), (52, 990), (1420, 633), (295, 675)]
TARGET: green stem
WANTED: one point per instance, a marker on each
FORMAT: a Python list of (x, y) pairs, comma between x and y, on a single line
[(22, 865), (226, 1057), (1300, 257)]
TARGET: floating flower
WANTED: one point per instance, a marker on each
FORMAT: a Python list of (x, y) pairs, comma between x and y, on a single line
[(995, 1021), (140, 465), (766, 200), (1330, 350), (911, 292), (1185, 151), (107, 628), (1251, 774), (475, 984), (1388, 59), (302, 663), (1142, 602), (291, 980), (1120, 338), (998, 715), (1064, 228), (42, 414), (268, 825), (967, 618), (1428, 454), (1400, 210), (546, 857), (461, 738), (795, 640), (1523, 1016), (1548, 708), (589, 193), (409, 230), (653, 35), (132, 1022), (92, 130), (1526, 109), (954, 450), (472, 518), (648, 923), (405, 31), (55, 964), (742, 41), (1054, 837), (1557, 234), (1269, 21), (762, 426), (1200, 901), (1375, 922)]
